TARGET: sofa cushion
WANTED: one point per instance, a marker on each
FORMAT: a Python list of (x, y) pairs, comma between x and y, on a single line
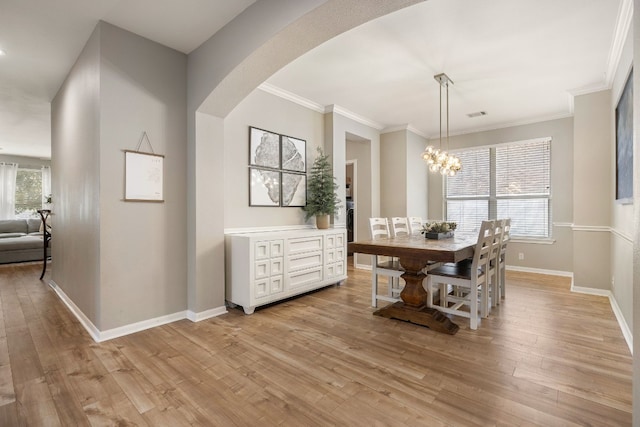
[(33, 225), (18, 243), (13, 226), (7, 235)]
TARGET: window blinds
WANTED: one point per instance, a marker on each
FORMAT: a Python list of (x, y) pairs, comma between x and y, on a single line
[(509, 180)]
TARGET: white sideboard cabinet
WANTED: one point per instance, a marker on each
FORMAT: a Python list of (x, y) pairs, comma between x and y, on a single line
[(263, 267)]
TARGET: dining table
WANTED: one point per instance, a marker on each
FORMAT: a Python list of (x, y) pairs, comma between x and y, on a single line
[(415, 252)]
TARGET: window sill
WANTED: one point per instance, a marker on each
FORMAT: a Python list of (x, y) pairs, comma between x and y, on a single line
[(532, 240)]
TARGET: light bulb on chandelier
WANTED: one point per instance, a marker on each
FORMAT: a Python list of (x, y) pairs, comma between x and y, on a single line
[(438, 159)]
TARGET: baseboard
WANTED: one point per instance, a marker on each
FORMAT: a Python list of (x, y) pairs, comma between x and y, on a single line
[(132, 328), (626, 331), (207, 314), (84, 320), (363, 267), (540, 271), (109, 334)]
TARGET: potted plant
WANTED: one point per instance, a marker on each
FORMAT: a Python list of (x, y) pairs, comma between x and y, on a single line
[(322, 200), (438, 229)]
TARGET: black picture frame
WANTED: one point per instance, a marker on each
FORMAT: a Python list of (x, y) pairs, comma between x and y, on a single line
[(293, 154), (264, 148), (293, 190), (264, 187), (624, 144)]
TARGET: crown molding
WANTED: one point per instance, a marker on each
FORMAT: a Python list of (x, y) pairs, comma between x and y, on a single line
[(336, 109), (406, 127), (505, 125), (625, 14), (284, 94)]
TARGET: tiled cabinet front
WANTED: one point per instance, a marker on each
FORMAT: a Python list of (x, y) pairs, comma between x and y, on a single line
[(265, 267)]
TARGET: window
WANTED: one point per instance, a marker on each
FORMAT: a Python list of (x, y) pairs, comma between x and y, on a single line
[(28, 192), (507, 180)]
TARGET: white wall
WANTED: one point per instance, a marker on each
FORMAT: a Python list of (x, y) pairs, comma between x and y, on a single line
[(272, 113)]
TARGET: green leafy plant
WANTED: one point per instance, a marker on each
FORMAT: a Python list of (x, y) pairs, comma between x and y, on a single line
[(321, 188), (438, 227)]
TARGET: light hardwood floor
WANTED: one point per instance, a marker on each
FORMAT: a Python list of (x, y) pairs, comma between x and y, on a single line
[(545, 357)]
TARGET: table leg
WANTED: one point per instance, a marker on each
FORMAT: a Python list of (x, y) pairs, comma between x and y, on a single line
[(413, 307)]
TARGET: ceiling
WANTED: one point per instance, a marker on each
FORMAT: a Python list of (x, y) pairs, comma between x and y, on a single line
[(517, 61), (43, 39)]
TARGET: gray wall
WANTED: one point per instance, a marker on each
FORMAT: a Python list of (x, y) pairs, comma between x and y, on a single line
[(360, 151), (403, 175), (120, 262), (393, 174), (556, 255), (269, 112), (592, 190), (621, 240), (75, 148)]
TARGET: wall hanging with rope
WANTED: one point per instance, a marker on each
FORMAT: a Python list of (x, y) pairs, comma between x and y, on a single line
[(144, 171)]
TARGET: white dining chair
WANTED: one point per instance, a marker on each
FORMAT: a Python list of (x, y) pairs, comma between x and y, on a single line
[(400, 226), (470, 280), (492, 298), (384, 266), (415, 224), (502, 259)]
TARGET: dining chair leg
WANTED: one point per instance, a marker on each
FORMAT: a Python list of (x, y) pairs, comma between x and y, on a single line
[(473, 308), (374, 281)]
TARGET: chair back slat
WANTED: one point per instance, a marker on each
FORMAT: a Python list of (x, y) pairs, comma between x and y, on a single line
[(379, 227)]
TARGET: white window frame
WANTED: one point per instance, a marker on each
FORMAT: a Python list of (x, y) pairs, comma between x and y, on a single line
[(492, 199)]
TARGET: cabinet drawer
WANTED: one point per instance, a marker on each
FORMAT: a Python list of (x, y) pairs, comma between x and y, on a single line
[(330, 256), (277, 266), (305, 244), (339, 253), (334, 270), (261, 288), (268, 249), (305, 277), (261, 250), (276, 285), (276, 248), (304, 261), (262, 270), (334, 241)]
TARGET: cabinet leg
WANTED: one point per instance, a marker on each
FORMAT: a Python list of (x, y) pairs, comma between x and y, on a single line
[(248, 310)]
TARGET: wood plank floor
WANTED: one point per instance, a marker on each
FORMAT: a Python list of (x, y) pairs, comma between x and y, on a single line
[(545, 357)]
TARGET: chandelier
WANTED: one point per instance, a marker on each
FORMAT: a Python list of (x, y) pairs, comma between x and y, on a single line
[(438, 159)]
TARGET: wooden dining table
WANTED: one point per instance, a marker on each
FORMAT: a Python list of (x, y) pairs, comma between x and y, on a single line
[(414, 253)]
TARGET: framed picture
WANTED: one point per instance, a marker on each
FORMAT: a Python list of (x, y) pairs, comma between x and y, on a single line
[(264, 148), (624, 144), (264, 187), (143, 177), (294, 189), (293, 154)]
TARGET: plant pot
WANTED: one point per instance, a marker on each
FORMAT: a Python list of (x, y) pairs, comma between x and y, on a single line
[(322, 221), (438, 236)]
